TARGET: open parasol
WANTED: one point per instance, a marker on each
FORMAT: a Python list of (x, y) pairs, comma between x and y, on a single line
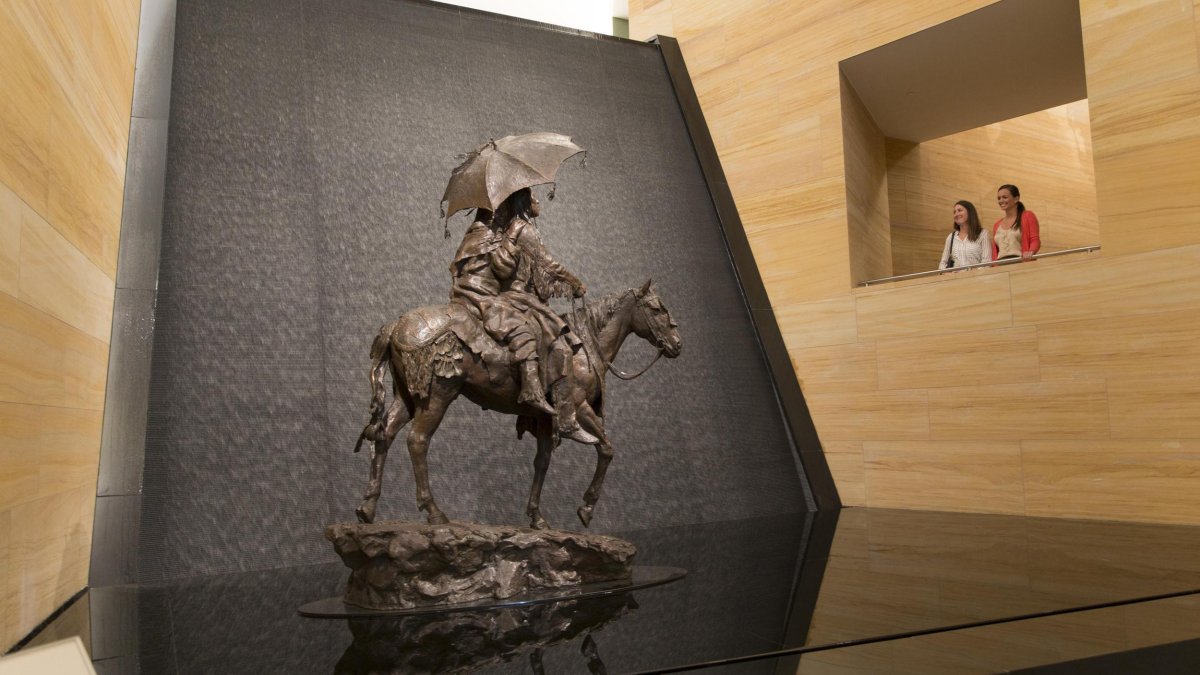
[(499, 168)]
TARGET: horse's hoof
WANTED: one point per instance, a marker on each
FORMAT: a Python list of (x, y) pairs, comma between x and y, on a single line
[(438, 519), (585, 515), (539, 523), (365, 515)]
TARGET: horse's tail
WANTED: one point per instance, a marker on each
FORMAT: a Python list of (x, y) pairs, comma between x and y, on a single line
[(381, 352)]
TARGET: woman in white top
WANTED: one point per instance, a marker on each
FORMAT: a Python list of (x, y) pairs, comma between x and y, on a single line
[(969, 243)]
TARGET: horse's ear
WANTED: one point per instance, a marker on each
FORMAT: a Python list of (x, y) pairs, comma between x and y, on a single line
[(646, 288)]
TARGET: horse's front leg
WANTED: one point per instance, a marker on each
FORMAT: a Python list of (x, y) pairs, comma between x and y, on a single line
[(541, 463), (535, 662), (428, 417), (604, 454), (397, 416)]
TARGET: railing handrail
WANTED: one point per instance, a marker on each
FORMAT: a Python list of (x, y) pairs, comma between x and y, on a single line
[(989, 263)]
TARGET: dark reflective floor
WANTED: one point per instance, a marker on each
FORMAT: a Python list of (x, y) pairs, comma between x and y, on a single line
[(1157, 636), (754, 587)]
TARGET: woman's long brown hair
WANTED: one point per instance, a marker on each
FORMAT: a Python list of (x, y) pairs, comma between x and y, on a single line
[(973, 226), (1012, 190)]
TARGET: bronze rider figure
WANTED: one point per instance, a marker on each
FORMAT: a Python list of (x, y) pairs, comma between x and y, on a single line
[(504, 275)]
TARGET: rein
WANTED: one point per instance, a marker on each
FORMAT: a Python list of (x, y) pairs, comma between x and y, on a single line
[(625, 376)]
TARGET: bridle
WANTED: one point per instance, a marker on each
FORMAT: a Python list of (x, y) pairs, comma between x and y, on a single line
[(659, 342)]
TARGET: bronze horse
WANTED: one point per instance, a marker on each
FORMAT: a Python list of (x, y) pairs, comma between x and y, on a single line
[(425, 382)]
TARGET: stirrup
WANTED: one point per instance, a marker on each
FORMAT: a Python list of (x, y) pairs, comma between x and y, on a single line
[(579, 435), (535, 401)]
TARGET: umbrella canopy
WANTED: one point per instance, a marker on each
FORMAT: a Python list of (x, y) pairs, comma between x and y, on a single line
[(501, 167)]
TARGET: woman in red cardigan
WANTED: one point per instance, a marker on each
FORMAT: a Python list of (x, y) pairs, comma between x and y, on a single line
[(1016, 234)]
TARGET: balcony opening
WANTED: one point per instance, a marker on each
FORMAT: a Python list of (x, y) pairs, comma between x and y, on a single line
[(952, 112)]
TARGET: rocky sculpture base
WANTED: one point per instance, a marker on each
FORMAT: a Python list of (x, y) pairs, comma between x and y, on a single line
[(402, 565)]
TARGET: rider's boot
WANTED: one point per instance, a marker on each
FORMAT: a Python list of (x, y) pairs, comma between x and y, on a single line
[(531, 388), (568, 424)]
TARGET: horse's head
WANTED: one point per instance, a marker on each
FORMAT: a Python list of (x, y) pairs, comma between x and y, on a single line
[(652, 322)]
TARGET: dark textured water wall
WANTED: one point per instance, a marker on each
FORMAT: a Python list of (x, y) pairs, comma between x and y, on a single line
[(309, 143)]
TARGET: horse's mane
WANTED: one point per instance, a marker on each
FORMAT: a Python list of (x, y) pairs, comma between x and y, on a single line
[(599, 313)]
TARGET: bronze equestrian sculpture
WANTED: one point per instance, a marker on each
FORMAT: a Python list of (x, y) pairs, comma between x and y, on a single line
[(497, 342), (431, 366)]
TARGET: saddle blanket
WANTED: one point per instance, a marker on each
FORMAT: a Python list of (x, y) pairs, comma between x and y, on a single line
[(420, 327)]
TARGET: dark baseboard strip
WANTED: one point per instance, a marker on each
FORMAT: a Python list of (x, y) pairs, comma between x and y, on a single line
[(1175, 657), (810, 574), (795, 410)]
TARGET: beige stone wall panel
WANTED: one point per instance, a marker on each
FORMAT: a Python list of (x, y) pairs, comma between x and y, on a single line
[(841, 368), (67, 69), (845, 460), (1067, 409), (975, 358), (957, 304), (981, 476), (1144, 480), (878, 415), (818, 324)]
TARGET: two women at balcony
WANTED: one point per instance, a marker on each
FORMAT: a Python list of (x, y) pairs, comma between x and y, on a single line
[(1016, 235)]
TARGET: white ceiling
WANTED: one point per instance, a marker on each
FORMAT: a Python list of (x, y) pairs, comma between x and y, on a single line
[(591, 15), (1005, 60)]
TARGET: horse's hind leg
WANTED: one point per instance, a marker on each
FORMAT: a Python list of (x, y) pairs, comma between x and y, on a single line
[(604, 454), (541, 463), (427, 418), (397, 416), (591, 652)]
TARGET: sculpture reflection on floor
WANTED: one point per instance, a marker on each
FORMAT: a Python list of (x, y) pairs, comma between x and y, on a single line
[(499, 344), (464, 641)]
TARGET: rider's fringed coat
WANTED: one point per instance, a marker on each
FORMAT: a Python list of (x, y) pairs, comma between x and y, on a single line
[(506, 276)]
